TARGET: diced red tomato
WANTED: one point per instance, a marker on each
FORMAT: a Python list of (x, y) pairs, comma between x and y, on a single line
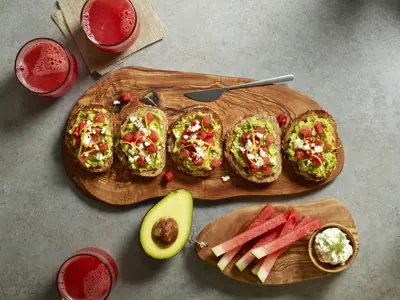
[(209, 140), (103, 147), (78, 141), (81, 125), (260, 129), (185, 153), (198, 161), (202, 135), (316, 160), (136, 135), (141, 162), (206, 121), (184, 142), (319, 127), (305, 131), (264, 148), (254, 168), (97, 130), (211, 133), (82, 159), (139, 140), (95, 138), (215, 163), (149, 118), (282, 119), (267, 170), (152, 148), (195, 121), (76, 132), (169, 175), (245, 137), (128, 137), (187, 132), (308, 153), (266, 160), (318, 142), (321, 157), (270, 139), (299, 155), (99, 117), (154, 136), (126, 96)]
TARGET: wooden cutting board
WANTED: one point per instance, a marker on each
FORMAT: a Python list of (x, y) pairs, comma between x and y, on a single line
[(295, 264), (165, 88)]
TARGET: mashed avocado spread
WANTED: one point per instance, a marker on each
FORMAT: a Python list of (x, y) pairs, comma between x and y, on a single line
[(142, 140), (196, 145), (91, 138), (254, 148), (312, 146)]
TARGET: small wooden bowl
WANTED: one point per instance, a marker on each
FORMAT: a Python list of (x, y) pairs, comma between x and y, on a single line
[(326, 267)]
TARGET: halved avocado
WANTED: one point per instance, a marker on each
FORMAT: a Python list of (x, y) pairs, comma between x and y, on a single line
[(166, 226)]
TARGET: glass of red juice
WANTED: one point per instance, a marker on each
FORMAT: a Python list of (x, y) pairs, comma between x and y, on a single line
[(46, 68), (112, 26), (89, 274)]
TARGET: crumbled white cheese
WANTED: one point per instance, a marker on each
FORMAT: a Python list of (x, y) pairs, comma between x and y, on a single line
[(185, 137), (306, 147), (116, 102), (189, 158), (242, 149), (259, 135), (200, 142), (194, 137), (312, 145), (298, 144), (248, 144), (88, 122), (147, 144), (272, 160), (225, 178), (94, 131), (130, 159), (86, 154), (251, 156), (86, 140), (259, 161), (138, 123), (262, 153), (141, 146), (104, 130), (144, 131), (99, 156), (96, 147), (131, 152), (195, 127), (148, 159), (159, 147), (132, 119), (177, 134), (200, 152), (313, 132), (318, 149), (153, 127)]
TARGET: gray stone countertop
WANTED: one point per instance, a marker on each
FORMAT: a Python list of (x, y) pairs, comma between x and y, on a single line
[(344, 54)]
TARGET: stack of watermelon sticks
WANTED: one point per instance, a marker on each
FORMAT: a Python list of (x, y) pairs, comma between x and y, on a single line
[(265, 239)]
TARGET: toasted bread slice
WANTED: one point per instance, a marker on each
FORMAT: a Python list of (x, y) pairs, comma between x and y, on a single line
[(141, 111), (70, 148), (286, 139), (217, 137), (230, 136)]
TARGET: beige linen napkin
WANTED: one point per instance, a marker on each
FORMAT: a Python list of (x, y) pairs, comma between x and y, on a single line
[(68, 20)]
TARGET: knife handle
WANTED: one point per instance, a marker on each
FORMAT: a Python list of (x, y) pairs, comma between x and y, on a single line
[(273, 80)]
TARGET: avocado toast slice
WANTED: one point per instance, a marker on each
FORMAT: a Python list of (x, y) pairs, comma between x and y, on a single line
[(195, 141), (252, 148), (89, 137), (310, 144), (141, 141)]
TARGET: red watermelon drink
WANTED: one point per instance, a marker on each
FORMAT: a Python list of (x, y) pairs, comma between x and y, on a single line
[(112, 26), (46, 68), (90, 274)]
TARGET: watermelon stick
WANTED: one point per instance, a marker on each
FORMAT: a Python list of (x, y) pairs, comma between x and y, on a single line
[(246, 259), (263, 216), (265, 264), (248, 235), (286, 240)]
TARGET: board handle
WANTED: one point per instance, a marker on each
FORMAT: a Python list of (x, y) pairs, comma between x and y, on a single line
[(268, 81)]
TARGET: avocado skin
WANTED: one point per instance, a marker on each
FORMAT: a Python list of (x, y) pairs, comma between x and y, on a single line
[(177, 205)]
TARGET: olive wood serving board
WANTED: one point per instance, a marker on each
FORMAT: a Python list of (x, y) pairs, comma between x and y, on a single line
[(295, 264), (165, 89)]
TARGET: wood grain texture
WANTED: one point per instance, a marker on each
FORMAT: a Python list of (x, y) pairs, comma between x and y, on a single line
[(295, 264), (117, 185)]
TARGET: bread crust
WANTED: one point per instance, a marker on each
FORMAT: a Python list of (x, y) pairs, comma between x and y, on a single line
[(172, 140), (286, 139), (164, 126), (229, 137), (71, 122)]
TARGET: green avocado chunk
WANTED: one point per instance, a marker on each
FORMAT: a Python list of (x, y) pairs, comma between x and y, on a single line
[(166, 226)]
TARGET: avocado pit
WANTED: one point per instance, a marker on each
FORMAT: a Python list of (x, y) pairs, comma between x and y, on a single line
[(165, 231)]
